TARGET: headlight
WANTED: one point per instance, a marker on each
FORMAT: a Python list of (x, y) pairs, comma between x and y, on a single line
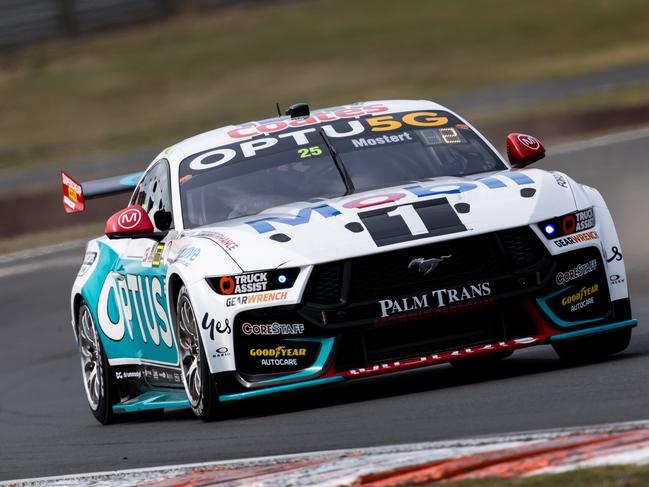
[(254, 282), (568, 224)]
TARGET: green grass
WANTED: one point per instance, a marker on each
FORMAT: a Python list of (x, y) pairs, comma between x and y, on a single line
[(151, 85), (617, 476)]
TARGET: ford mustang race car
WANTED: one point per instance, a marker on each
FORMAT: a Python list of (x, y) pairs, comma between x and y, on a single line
[(330, 245)]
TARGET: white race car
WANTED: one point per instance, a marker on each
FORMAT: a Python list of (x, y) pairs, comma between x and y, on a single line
[(329, 245)]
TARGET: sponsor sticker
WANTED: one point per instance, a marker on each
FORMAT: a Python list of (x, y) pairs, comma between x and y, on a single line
[(265, 127), (528, 141), (254, 282), (243, 283), (429, 314), (279, 361), (579, 221), (442, 356), (147, 257), (561, 181), (581, 298), (222, 328), (576, 239), (413, 216), (616, 279), (266, 297), (187, 255), (576, 272), (129, 219), (159, 374), (157, 255), (385, 139), (616, 255), (273, 329), (133, 374), (219, 238), (434, 299), (279, 352), (124, 320), (221, 352), (88, 260)]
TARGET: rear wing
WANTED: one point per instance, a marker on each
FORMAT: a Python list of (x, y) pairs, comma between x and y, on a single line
[(75, 194)]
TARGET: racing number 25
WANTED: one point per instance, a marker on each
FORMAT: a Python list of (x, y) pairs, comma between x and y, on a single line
[(310, 151), (414, 119)]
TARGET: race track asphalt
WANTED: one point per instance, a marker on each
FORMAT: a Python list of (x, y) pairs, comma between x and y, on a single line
[(46, 428)]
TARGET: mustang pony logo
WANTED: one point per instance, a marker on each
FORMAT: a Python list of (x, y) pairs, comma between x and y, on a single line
[(427, 265)]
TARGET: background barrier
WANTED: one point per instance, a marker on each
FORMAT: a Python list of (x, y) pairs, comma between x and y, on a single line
[(26, 21)]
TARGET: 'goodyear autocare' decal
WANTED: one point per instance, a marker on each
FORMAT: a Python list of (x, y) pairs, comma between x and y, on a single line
[(131, 311)]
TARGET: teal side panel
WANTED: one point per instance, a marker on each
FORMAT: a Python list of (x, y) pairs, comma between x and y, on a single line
[(132, 318)]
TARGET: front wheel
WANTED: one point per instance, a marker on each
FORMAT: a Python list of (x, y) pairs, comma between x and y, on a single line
[(199, 386), (594, 347)]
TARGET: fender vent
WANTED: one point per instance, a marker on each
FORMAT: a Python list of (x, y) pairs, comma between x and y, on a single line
[(325, 284), (522, 246)]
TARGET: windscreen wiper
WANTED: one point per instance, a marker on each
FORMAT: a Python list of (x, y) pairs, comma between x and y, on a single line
[(349, 185)]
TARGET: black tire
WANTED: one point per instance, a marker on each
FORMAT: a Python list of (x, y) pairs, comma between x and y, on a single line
[(479, 362), (101, 388), (593, 348), (199, 385)]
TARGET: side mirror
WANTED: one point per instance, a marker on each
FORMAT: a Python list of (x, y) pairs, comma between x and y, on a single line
[(130, 222), (523, 149)]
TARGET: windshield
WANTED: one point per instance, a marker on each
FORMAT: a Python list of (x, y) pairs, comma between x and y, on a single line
[(248, 177)]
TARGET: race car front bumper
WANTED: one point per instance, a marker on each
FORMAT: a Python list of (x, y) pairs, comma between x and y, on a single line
[(374, 314)]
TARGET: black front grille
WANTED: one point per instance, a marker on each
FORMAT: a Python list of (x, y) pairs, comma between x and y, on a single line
[(464, 261), (405, 339), (467, 260)]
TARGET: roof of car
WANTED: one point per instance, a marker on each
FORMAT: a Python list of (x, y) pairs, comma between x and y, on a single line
[(245, 131)]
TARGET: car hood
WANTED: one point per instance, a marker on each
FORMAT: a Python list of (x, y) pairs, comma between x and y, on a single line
[(332, 229)]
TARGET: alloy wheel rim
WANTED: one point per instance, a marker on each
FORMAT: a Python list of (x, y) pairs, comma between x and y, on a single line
[(91, 369), (189, 345)]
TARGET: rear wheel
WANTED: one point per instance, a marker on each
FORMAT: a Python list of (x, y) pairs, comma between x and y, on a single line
[(98, 378), (199, 386), (594, 347)]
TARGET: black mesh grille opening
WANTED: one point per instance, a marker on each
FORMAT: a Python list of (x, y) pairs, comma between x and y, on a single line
[(522, 246), (467, 260), (462, 261), (400, 342), (439, 333), (325, 284)]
